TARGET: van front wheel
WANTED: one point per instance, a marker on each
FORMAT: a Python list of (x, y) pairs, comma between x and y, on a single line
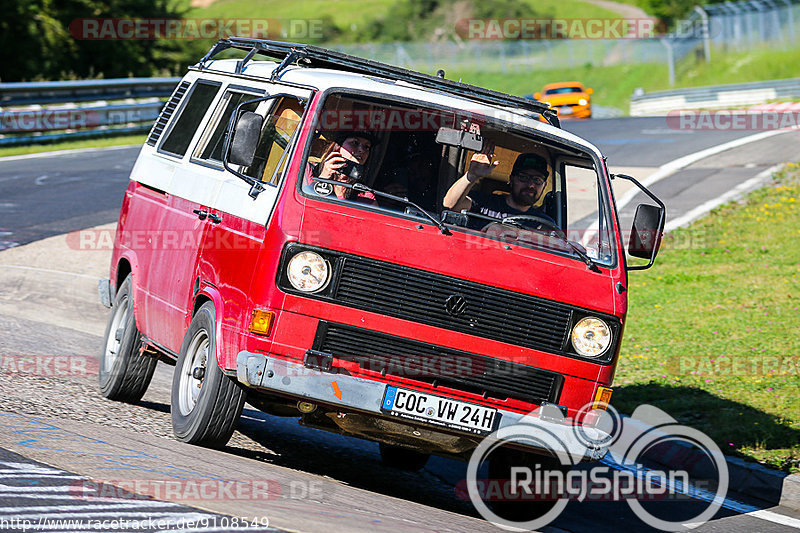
[(206, 404), (125, 371)]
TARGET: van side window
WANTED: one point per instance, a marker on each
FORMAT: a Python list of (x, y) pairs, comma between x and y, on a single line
[(279, 126), (186, 124), (587, 214), (216, 143)]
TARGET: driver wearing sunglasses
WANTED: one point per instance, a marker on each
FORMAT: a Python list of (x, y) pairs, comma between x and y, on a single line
[(527, 182)]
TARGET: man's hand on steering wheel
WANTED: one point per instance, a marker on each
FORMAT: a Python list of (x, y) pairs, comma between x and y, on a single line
[(542, 223)]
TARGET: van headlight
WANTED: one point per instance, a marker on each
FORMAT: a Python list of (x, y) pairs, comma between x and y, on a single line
[(308, 272), (583, 101), (591, 337)]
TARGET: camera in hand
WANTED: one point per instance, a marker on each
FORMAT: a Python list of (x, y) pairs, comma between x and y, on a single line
[(353, 170)]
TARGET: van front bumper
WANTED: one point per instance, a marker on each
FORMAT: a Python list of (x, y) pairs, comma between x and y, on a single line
[(350, 393)]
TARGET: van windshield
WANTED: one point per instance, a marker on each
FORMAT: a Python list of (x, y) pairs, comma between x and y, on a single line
[(498, 181)]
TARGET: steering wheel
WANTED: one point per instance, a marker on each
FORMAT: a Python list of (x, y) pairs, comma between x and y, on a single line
[(517, 221)]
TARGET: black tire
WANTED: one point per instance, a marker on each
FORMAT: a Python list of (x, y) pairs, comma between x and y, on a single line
[(500, 463), (125, 372), (206, 404), (403, 458)]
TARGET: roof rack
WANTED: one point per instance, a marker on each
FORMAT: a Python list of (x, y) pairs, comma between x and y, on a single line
[(315, 56)]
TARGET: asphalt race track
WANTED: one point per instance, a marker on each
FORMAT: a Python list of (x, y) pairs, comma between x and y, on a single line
[(314, 481)]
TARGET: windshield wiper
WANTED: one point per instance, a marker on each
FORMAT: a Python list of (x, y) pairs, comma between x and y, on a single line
[(514, 222), (583, 255), (360, 187), (555, 231)]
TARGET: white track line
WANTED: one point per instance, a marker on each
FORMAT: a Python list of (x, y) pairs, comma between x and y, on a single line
[(733, 194), (68, 498), (707, 496), (127, 504), (37, 475), (189, 517), (50, 271), (56, 153), (668, 169), (11, 489)]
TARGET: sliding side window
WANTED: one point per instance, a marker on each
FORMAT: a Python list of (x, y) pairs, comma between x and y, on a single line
[(281, 118), (279, 126), (216, 141), (185, 126)]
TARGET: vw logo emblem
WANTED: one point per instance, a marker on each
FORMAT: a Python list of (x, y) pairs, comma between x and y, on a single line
[(455, 305)]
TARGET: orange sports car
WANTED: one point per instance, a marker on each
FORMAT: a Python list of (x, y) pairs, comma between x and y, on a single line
[(571, 99)]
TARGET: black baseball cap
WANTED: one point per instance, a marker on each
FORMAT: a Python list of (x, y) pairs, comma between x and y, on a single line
[(530, 161)]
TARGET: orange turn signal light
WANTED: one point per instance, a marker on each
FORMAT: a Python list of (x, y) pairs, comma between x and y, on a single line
[(262, 320), (602, 398)]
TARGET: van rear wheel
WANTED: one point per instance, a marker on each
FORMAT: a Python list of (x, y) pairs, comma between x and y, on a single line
[(125, 371), (206, 404)]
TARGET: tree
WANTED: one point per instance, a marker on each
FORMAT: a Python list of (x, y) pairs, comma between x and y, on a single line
[(44, 40)]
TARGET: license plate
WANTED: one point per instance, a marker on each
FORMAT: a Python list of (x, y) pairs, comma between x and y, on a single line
[(565, 110), (454, 414)]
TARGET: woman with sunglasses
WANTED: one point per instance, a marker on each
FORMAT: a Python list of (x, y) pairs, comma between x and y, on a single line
[(343, 160)]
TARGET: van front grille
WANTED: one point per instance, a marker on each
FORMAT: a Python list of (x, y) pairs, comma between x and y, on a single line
[(436, 365), (454, 304)]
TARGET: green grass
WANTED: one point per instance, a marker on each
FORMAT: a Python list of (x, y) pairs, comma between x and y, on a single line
[(754, 65), (569, 9), (342, 12), (346, 13), (73, 145), (726, 289), (614, 85)]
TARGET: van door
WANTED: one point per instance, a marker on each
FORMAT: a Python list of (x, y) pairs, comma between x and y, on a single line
[(237, 223), (168, 203)]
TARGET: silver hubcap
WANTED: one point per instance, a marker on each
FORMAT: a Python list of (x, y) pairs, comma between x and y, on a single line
[(193, 372), (115, 333)]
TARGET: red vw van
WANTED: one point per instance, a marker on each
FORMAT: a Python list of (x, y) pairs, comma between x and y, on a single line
[(285, 241)]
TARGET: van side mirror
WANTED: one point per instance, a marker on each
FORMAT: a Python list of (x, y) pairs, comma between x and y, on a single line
[(648, 225), (537, 96), (245, 138), (646, 232)]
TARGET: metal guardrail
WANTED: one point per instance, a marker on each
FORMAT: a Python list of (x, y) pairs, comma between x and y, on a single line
[(715, 97), (60, 110)]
